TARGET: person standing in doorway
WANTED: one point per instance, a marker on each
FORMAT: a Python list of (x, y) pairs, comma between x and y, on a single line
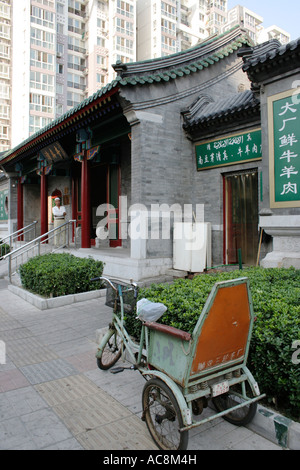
[(59, 214)]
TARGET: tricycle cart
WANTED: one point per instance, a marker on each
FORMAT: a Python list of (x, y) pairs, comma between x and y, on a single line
[(184, 371)]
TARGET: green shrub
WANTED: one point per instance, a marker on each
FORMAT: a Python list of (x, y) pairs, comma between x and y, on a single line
[(57, 274), (4, 248), (276, 303)]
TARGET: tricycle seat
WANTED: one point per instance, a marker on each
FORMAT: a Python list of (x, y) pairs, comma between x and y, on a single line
[(169, 330)]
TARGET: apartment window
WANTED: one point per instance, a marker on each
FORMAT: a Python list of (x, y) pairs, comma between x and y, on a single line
[(60, 28), (42, 17), (4, 71), (60, 8), (124, 27), (47, 3), (42, 38), (75, 26), (3, 132), (123, 59), (100, 79), (4, 31), (124, 45), (76, 81), (37, 122), (59, 110), (4, 51), (125, 9), (101, 23), (76, 7), (100, 42), (168, 44), (42, 81), (41, 60), (168, 10), (4, 111), (59, 68), (168, 27), (41, 103), (73, 99), (5, 11), (4, 91), (75, 44), (76, 62)]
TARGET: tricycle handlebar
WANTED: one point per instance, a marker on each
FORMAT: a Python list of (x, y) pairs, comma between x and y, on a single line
[(102, 278)]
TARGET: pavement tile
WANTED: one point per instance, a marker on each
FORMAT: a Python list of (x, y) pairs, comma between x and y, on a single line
[(12, 379), (66, 389), (45, 428), (68, 444), (13, 435), (124, 434), (47, 371), (27, 351), (83, 362), (20, 402)]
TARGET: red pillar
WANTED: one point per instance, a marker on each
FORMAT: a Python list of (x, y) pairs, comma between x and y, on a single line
[(20, 214), (44, 204), (85, 205)]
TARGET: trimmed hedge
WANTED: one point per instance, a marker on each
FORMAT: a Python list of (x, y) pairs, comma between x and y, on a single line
[(276, 302), (4, 248), (57, 274)]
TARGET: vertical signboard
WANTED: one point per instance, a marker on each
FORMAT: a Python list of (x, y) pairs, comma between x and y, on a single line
[(4, 204), (284, 146)]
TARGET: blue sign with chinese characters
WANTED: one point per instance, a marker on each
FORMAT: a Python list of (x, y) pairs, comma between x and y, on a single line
[(230, 150)]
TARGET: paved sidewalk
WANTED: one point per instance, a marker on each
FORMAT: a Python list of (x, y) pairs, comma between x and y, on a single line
[(53, 396)]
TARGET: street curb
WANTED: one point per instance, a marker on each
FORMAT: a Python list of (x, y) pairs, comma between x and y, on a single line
[(45, 304), (276, 428)]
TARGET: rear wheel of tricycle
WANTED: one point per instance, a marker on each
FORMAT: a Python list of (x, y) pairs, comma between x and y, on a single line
[(163, 416), (111, 352), (241, 416)]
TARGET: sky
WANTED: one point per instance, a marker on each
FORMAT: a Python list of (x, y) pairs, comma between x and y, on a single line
[(283, 13)]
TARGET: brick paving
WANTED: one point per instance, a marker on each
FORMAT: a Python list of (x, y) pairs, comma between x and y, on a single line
[(53, 396)]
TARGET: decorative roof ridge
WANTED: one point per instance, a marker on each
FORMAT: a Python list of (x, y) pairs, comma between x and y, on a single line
[(183, 58), (228, 106), (266, 52)]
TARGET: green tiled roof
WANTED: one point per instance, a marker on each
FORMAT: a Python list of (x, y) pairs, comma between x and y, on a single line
[(240, 39)]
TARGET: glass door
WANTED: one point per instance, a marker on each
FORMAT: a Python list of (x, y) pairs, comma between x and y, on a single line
[(241, 217)]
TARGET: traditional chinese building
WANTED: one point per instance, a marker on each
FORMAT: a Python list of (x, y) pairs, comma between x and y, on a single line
[(192, 129)]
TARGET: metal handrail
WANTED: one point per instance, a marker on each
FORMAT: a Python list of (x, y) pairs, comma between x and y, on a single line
[(42, 239), (19, 233)]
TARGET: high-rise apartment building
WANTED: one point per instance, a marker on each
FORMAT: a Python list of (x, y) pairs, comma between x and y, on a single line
[(62, 53), (168, 26), (5, 74), (55, 53), (252, 23)]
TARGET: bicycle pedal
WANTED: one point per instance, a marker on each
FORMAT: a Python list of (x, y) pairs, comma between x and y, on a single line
[(116, 370)]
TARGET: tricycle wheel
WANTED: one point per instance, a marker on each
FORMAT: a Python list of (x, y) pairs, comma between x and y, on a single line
[(241, 416), (111, 352), (163, 416)]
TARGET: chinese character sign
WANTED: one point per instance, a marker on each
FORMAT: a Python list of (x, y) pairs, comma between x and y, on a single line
[(284, 117), (4, 205), (230, 150)]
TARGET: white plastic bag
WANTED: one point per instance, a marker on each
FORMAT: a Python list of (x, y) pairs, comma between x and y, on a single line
[(149, 311)]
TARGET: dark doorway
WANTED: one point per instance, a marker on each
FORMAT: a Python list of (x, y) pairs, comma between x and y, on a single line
[(241, 217)]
